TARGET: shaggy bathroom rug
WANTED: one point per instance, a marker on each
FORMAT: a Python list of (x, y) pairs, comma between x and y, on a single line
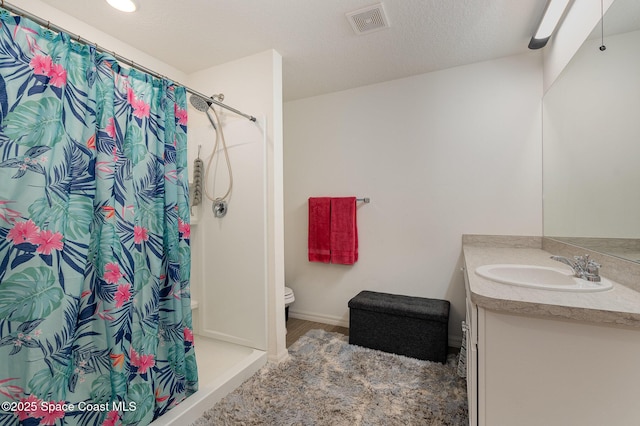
[(327, 381)]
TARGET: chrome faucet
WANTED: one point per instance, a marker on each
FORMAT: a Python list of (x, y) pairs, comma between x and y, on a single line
[(582, 266)]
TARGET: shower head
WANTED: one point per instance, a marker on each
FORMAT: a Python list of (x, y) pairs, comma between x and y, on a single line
[(200, 103), (203, 104)]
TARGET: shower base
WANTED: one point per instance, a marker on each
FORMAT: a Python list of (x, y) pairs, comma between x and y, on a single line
[(222, 367)]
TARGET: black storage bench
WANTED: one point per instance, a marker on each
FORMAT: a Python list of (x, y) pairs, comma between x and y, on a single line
[(416, 327)]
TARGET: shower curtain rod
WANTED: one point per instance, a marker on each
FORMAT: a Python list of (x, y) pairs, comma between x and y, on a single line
[(21, 12)]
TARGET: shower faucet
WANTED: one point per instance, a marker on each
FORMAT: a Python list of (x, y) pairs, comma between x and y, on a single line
[(219, 208)]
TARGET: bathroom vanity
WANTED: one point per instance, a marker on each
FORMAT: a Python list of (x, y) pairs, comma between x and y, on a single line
[(544, 357)]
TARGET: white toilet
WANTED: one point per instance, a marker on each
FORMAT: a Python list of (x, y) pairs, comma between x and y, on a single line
[(288, 299)]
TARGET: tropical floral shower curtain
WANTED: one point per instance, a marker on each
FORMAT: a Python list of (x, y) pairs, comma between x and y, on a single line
[(95, 317)]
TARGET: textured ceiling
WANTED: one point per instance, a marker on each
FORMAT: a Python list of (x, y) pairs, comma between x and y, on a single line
[(320, 51)]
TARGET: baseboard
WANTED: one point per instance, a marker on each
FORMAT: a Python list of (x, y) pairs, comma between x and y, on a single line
[(324, 319)]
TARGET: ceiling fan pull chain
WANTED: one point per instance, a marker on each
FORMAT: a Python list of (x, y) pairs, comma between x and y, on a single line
[(602, 46)]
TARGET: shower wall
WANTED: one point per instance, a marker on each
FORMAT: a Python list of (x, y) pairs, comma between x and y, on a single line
[(235, 274), (229, 272)]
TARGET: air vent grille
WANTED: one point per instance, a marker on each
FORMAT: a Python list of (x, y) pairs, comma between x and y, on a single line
[(368, 19)]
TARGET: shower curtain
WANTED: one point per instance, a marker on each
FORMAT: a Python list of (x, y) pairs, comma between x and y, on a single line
[(95, 316)]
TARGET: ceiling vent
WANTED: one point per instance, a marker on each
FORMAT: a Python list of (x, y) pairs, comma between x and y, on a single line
[(368, 19)]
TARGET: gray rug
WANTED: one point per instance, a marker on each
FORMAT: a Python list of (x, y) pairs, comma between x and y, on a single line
[(329, 382)]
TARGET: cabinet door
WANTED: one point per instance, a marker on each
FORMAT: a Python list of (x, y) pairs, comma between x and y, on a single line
[(555, 372)]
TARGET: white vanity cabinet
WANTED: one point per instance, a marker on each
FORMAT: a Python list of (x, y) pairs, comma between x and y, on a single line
[(537, 370), (471, 328)]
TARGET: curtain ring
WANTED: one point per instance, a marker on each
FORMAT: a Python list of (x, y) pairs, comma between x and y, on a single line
[(49, 25)]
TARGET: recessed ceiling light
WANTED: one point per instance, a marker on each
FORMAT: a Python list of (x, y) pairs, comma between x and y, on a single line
[(123, 5)]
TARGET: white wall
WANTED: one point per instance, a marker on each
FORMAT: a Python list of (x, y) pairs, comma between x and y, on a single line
[(241, 273), (440, 154)]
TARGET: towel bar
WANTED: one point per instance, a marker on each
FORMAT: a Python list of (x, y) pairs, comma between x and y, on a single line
[(365, 200)]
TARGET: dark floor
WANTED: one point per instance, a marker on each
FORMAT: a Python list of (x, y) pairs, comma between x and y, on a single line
[(296, 328)]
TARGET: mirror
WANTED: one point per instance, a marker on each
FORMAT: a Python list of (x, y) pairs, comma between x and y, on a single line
[(591, 141)]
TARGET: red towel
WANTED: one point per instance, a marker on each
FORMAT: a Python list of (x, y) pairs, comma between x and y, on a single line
[(320, 229), (344, 231)]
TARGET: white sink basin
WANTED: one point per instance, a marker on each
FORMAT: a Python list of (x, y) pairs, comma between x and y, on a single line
[(543, 277)]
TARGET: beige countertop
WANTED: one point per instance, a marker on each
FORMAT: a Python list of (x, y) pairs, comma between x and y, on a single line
[(617, 306)]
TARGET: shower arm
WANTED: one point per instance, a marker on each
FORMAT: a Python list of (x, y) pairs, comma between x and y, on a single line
[(220, 104)]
